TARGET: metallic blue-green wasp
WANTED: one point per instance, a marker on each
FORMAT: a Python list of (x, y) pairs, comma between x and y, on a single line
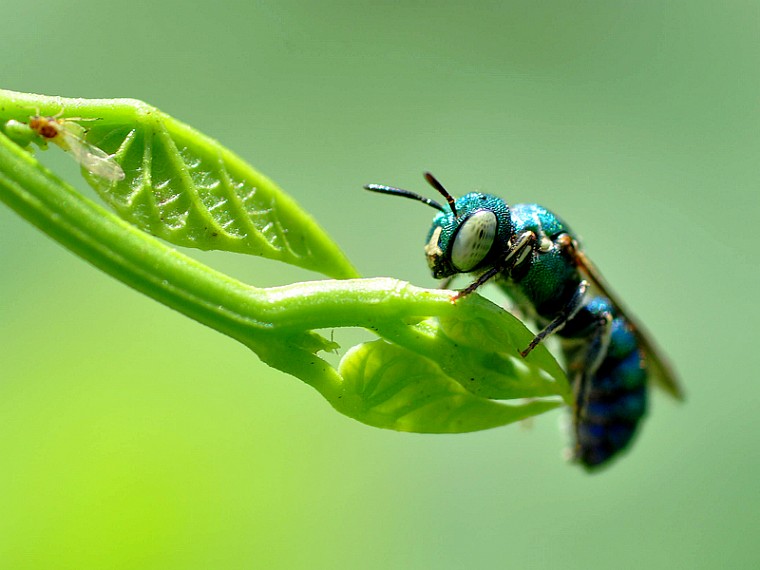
[(534, 256)]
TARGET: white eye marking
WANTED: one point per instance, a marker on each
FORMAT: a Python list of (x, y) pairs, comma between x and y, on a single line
[(546, 244), (474, 240), (432, 249)]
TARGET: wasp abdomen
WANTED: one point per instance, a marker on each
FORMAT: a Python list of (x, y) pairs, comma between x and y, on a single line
[(615, 399)]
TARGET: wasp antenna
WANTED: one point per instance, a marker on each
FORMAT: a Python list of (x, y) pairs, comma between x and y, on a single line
[(382, 189), (433, 181)]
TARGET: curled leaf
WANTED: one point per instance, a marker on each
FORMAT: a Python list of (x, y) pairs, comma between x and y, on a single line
[(185, 187), (390, 387), (489, 351)]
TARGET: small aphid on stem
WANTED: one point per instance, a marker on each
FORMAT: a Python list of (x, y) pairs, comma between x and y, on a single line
[(68, 135)]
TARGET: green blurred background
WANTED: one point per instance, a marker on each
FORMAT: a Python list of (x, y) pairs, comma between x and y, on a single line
[(131, 437)]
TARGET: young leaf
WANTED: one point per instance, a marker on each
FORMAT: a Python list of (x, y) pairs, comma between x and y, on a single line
[(185, 187), (390, 387)]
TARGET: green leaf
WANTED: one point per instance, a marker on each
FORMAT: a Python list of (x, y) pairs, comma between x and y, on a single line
[(185, 187), (488, 356), (390, 387)]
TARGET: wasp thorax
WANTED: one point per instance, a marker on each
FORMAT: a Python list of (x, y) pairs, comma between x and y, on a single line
[(473, 240)]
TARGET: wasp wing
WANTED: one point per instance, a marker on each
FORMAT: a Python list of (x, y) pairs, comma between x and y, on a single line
[(662, 371)]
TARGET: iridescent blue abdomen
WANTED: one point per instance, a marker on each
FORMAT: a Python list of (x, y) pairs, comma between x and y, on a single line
[(615, 401)]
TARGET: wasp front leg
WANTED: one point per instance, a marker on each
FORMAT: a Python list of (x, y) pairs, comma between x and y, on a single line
[(518, 254)]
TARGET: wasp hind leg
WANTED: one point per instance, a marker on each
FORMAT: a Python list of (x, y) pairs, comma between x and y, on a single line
[(608, 391), (586, 368)]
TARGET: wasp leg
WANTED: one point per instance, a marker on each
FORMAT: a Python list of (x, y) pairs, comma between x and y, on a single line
[(587, 365), (571, 309), (491, 273), (517, 255)]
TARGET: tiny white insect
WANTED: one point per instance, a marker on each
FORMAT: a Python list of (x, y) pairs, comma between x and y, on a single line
[(68, 135)]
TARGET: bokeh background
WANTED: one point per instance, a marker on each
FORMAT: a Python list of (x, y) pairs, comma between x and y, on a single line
[(132, 437)]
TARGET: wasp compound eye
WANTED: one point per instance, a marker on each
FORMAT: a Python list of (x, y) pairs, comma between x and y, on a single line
[(474, 240)]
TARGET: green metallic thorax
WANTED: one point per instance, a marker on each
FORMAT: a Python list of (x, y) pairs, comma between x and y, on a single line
[(546, 287)]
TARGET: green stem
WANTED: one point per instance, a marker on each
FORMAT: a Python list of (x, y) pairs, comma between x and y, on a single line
[(117, 248), (269, 321), (184, 284)]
